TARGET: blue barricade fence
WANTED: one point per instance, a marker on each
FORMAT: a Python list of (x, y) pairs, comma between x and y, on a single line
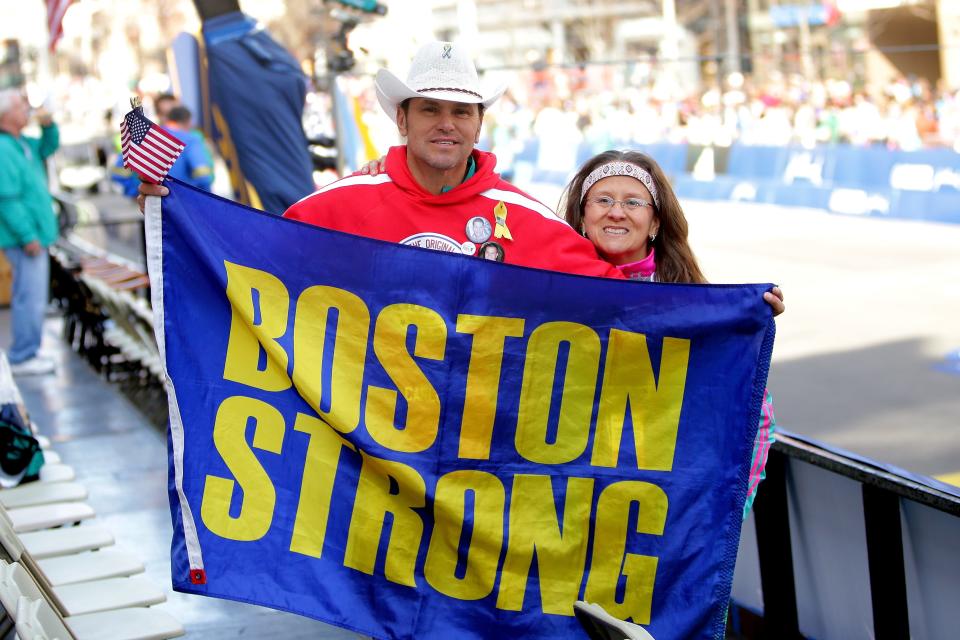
[(864, 181)]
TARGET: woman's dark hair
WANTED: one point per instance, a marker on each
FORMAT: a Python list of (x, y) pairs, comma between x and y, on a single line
[(675, 259)]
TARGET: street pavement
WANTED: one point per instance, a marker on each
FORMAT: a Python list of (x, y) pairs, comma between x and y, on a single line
[(863, 356), (867, 356)]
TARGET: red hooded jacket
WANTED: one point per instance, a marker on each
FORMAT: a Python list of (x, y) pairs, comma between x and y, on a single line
[(393, 207)]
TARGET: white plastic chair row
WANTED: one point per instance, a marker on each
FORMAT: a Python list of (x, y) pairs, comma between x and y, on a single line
[(61, 580), (94, 569), (55, 486), (37, 618), (128, 331), (52, 502), (77, 588)]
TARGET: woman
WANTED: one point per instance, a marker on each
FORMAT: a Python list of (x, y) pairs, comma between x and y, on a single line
[(622, 202)]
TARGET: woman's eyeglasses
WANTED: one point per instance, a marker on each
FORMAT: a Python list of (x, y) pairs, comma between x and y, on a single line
[(606, 203)]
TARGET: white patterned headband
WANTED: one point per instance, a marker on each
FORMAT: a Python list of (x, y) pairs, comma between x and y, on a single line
[(620, 168)]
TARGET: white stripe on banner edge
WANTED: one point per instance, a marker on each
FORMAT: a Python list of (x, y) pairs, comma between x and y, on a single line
[(153, 225)]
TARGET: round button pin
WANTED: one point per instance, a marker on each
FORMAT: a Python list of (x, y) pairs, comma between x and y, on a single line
[(479, 229), (491, 251)]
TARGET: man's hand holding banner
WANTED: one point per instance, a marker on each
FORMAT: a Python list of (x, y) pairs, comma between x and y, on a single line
[(414, 444)]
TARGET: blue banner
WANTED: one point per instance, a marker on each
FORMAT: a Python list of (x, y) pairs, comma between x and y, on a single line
[(414, 444)]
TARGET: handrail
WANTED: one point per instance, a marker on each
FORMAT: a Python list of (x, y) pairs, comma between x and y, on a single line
[(867, 474), (882, 490)]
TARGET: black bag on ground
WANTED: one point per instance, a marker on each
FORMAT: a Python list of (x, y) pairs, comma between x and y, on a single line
[(20, 455)]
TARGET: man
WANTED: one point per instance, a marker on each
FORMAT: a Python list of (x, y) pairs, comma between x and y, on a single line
[(28, 226), (194, 166), (162, 105), (439, 192), (255, 97)]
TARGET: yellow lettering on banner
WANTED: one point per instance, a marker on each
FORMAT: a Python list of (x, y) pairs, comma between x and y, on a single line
[(483, 380), (349, 344), (609, 549), (486, 540), (576, 404), (654, 408), (370, 508), (561, 552), (423, 403), (258, 495), (246, 338), (316, 488)]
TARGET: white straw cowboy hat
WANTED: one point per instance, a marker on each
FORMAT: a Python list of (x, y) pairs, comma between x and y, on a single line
[(439, 70)]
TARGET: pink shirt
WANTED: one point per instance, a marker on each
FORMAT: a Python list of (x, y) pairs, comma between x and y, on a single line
[(643, 270)]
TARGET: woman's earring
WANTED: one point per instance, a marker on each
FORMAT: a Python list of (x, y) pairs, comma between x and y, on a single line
[(653, 236)]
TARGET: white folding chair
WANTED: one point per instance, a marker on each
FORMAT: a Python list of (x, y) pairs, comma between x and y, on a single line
[(38, 493), (50, 456), (47, 516), (89, 566), (36, 620), (57, 473), (89, 571), (64, 541), (137, 623)]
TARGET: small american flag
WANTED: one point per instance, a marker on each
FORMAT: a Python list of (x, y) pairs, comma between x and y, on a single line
[(148, 150)]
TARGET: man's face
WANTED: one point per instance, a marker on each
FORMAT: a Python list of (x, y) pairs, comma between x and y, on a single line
[(440, 134), (162, 106), (17, 116)]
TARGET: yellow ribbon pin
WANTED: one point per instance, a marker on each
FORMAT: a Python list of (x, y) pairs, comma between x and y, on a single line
[(500, 213)]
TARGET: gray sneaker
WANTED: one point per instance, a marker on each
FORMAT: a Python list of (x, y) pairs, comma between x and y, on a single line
[(35, 366)]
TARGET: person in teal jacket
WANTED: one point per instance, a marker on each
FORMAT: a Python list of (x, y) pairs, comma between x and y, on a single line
[(28, 225)]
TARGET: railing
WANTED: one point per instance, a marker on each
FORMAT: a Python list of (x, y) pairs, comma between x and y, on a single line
[(809, 514)]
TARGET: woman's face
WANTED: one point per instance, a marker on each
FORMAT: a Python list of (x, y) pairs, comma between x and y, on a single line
[(621, 235)]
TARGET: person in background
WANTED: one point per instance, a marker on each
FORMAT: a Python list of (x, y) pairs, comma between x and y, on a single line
[(28, 225), (439, 191), (162, 105), (623, 203), (194, 166)]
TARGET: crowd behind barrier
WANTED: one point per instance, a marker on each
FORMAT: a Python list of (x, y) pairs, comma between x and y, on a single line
[(844, 179), (640, 103), (891, 151)]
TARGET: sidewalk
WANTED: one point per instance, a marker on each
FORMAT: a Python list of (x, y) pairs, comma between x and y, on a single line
[(121, 458)]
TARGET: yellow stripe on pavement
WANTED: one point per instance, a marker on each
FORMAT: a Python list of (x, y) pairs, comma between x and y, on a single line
[(950, 478)]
